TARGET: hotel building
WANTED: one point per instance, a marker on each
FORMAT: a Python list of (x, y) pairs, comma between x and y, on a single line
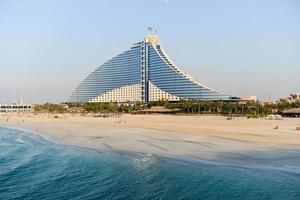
[(141, 74)]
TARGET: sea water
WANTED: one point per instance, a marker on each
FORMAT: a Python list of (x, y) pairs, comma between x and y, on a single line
[(32, 167)]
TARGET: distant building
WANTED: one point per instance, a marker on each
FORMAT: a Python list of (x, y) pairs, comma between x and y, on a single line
[(16, 108), (268, 102), (141, 74), (249, 98), (293, 112)]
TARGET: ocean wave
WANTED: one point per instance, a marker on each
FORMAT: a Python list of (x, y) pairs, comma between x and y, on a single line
[(144, 161), (32, 167)]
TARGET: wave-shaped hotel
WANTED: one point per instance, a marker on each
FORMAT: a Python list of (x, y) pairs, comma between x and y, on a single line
[(141, 74)]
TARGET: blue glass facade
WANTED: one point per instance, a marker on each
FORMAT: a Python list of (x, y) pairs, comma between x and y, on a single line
[(122, 70), (169, 78), (145, 61)]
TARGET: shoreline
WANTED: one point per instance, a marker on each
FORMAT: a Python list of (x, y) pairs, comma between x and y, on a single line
[(204, 137)]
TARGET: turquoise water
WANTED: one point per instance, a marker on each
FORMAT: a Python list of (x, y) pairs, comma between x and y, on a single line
[(32, 167)]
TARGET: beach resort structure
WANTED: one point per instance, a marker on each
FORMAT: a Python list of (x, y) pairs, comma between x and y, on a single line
[(16, 108), (141, 74), (293, 112)]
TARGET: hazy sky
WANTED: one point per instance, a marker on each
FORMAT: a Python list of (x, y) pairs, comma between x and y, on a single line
[(238, 47)]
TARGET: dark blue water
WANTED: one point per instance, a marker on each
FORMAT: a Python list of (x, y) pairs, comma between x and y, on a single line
[(34, 168)]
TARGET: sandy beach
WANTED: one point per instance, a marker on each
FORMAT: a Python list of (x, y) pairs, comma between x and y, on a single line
[(167, 135)]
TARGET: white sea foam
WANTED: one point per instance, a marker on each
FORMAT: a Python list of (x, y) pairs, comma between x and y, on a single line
[(20, 140), (145, 161)]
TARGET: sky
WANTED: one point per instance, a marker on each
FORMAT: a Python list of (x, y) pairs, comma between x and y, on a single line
[(237, 47)]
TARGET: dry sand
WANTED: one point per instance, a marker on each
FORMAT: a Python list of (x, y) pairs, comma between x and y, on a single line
[(167, 135)]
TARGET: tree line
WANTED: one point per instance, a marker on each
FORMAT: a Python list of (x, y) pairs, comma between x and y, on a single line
[(251, 109)]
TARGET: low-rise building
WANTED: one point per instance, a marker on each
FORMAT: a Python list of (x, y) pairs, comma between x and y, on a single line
[(293, 112), (16, 108), (250, 98)]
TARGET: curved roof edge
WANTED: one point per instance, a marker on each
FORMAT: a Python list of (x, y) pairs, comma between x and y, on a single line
[(154, 41)]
